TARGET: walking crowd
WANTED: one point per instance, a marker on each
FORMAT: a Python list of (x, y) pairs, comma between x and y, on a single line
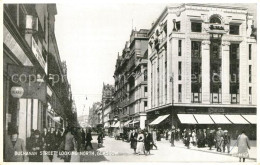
[(142, 141), (49, 142), (53, 141)]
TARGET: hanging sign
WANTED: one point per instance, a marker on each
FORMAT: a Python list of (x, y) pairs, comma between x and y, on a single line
[(17, 92)]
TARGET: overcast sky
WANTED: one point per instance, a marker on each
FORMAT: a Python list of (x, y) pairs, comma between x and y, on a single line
[(89, 37)]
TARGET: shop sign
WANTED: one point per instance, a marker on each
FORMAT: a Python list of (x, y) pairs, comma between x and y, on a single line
[(37, 53), (216, 110), (17, 92), (216, 27)]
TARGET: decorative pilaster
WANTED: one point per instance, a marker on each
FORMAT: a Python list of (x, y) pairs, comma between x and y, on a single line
[(225, 73), (205, 70)]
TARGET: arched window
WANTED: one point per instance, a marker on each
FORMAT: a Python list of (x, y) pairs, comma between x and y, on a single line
[(215, 20)]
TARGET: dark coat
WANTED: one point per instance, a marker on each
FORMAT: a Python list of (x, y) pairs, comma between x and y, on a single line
[(50, 142), (211, 139), (148, 140), (100, 138), (58, 138), (88, 137), (36, 145), (83, 137), (133, 140)]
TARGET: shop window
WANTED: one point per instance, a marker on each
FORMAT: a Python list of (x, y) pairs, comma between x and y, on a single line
[(234, 29), (196, 92), (196, 26)]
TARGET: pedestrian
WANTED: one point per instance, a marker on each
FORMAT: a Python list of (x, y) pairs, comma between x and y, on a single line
[(154, 136), (194, 138), (147, 141), (88, 140), (172, 137), (50, 143), (187, 138), (14, 144), (129, 135), (57, 138), (69, 143), (219, 139), (36, 146), (44, 135), (83, 138), (226, 141), (166, 134), (133, 140), (100, 139), (243, 146), (211, 139), (140, 143)]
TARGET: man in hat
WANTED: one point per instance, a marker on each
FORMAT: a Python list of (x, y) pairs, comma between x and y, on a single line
[(226, 141), (219, 137), (211, 139), (172, 136), (36, 146), (14, 144)]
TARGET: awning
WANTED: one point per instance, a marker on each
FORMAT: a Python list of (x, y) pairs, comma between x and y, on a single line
[(127, 122), (203, 119), (187, 119), (159, 119), (135, 121), (237, 119), (251, 118), (220, 119), (117, 124)]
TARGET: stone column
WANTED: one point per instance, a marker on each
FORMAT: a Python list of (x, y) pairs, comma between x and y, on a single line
[(225, 73), (143, 117), (205, 70)]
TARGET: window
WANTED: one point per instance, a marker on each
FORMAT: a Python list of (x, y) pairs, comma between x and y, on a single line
[(250, 51), (145, 75), (250, 90), (145, 104), (250, 73), (179, 47), (145, 89), (178, 26), (234, 29), (215, 20), (179, 92), (179, 71), (195, 49), (196, 27)]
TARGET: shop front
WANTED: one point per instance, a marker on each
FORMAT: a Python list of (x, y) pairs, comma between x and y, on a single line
[(233, 119)]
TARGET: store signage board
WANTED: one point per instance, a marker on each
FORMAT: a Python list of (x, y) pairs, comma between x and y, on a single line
[(37, 53)]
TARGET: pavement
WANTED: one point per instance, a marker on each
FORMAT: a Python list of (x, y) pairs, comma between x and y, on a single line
[(119, 151)]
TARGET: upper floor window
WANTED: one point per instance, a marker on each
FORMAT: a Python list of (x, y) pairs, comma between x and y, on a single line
[(215, 20), (250, 51), (178, 26), (196, 27), (195, 49), (234, 29)]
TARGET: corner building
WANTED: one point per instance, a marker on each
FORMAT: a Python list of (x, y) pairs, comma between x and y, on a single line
[(202, 68)]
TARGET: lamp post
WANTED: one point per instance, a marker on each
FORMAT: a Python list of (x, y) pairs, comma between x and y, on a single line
[(172, 80)]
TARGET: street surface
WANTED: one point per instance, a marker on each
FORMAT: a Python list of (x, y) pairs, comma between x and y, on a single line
[(119, 151)]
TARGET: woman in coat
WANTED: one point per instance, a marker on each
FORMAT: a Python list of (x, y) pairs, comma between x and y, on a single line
[(148, 140), (140, 143), (243, 146), (14, 144), (36, 145), (133, 140)]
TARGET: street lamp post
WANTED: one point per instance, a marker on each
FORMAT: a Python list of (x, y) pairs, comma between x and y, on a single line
[(171, 80)]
